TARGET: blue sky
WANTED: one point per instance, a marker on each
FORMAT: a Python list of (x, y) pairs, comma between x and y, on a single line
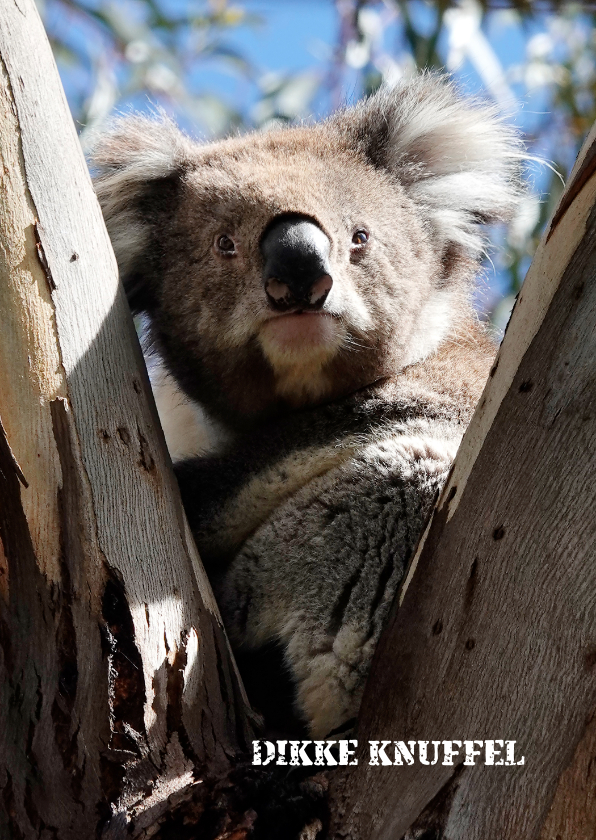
[(294, 36)]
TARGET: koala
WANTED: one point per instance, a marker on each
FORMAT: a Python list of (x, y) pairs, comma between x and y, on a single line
[(307, 297)]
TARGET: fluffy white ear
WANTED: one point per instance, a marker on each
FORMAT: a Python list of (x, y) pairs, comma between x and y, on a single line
[(144, 147), (454, 155), (137, 165)]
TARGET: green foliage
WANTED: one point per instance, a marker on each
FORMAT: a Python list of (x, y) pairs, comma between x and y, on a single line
[(117, 53), (120, 51)]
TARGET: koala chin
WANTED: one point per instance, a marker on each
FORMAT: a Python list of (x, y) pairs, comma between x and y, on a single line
[(314, 356)]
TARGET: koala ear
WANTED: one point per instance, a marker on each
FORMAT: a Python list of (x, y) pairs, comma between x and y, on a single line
[(453, 154), (138, 165)]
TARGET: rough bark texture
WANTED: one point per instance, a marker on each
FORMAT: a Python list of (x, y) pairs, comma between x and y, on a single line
[(117, 689), (496, 634)]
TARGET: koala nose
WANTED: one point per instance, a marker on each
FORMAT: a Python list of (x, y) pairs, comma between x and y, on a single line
[(296, 269)]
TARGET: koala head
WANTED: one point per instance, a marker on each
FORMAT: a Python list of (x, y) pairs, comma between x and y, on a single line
[(290, 267)]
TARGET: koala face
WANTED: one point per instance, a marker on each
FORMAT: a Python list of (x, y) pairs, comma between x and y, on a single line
[(288, 268), (229, 305)]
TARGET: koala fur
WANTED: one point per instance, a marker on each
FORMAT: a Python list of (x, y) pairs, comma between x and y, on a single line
[(319, 435)]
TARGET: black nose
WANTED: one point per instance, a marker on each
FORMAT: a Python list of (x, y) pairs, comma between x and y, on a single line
[(296, 272)]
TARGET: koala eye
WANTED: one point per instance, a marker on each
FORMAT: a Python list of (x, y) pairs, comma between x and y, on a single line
[(360, 238), (225, 245)]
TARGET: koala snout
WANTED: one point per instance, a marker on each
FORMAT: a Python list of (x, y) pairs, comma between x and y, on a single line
[(296, 271)]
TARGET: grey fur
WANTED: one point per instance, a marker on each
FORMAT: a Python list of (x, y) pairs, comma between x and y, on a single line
[(335, 440)]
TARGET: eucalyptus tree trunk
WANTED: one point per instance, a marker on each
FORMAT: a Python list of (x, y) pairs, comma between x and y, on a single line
[(117, 689), (494, 636)]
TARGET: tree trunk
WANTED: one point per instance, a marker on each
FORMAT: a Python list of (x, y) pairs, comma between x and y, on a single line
[(495, 636), (117, 689)]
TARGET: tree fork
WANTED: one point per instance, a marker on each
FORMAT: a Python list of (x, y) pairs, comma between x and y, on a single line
[(121, 712), (118, 692)]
